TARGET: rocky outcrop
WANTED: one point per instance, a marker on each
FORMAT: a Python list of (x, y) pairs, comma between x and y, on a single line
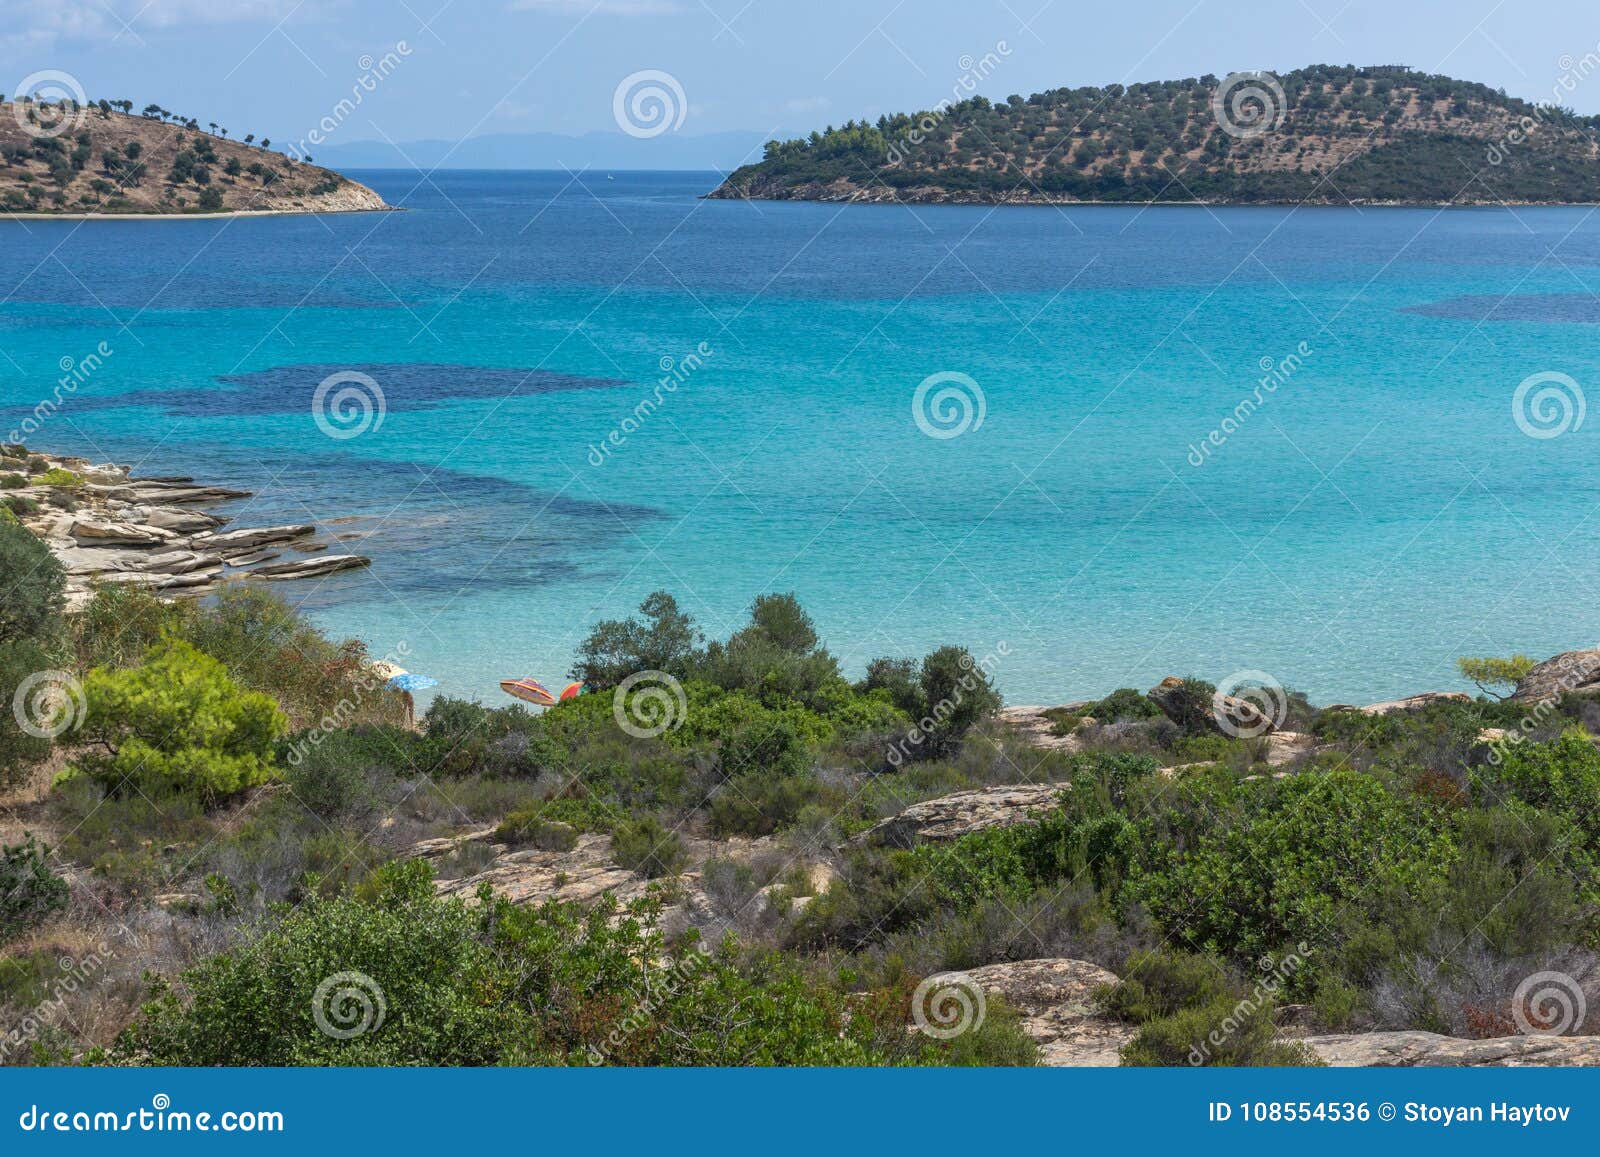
[(253, 538), (311, 567), (1033, 725), (1427, 1050), (1225, 714), (1410, 703), (1576, 672), (961, 813), (1057, 1002), (145, 533)]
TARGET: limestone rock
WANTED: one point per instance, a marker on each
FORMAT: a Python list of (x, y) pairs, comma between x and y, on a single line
[(1570, 671), (311, 567), (1225, 714), (1428, 1049), (183, 521), (532, 876), (1056, 999), (1409, 703), (952, 816), (1032, 724), (95, 533), (251, 537)]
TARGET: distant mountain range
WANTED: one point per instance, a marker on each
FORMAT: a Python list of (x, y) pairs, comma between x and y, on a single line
[(1320, 135), (722, 152)]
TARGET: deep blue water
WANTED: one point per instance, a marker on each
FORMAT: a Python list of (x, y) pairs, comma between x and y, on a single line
[(1375, 515)]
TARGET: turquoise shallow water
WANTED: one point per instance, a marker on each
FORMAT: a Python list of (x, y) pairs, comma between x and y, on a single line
[(1378, 514)]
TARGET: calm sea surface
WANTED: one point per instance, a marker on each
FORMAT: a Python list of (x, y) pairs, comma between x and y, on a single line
[(1371, 513)]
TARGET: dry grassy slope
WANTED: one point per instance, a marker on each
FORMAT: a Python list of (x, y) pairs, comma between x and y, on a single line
[(27, 184)]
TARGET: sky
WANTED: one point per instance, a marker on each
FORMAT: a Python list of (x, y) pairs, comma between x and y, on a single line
[(449, 69)]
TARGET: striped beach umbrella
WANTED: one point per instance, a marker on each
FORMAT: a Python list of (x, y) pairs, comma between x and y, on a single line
[(529, 691), (572, 691)]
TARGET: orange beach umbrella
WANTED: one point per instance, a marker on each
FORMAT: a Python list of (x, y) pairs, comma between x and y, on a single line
[(529, 691)]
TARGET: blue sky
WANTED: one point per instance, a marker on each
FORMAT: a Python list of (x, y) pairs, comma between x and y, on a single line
[(471, 67)]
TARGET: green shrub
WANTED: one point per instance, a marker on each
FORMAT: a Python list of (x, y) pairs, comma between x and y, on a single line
[(32, 594), (646, 846), (56, 476), (1161, 983), (331, 777), (664, 639), (407, 978), (176, 724), (29, 890), (1123, 704), (758, 804), (1224, 1032), (12, 482)]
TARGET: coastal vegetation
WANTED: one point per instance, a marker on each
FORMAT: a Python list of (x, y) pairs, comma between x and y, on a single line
[(707, 858), (100, 157), (1323, 135)]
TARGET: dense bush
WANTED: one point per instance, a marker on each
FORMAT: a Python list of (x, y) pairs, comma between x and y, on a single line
[(663, 639), (176, 724), (434, 982)]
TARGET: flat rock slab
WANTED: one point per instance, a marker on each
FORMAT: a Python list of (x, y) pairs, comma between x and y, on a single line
[(250, 538), (952, 816), (1057, 1002), (311, 567), (94, 533), (582, 875), (1428, 1050)]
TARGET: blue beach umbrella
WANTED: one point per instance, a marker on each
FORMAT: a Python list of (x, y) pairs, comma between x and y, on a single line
[(410, 682)]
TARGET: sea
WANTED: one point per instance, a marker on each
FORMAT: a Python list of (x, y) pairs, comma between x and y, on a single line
[(1336, 448)]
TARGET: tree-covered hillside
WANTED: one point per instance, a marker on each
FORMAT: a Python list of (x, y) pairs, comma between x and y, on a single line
[(1324, 134)]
